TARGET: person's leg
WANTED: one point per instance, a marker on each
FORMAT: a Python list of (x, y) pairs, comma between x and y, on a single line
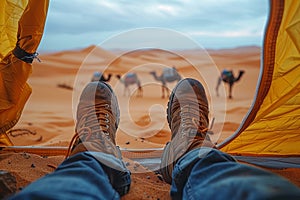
[(193, 165), (187, 116), (207, 173), (81, 176), (94, 167)]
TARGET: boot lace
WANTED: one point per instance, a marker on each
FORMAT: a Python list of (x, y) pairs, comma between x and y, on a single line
[(98, 121), (193, 118)]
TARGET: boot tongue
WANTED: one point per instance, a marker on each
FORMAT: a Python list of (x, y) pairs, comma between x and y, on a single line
[(188, 116), (97, 119), (107, 123)]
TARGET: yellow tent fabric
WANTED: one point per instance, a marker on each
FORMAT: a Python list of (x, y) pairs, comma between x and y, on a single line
[(272, 126), (21, 27)]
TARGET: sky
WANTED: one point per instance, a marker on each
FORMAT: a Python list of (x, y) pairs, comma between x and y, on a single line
[(210, 24)]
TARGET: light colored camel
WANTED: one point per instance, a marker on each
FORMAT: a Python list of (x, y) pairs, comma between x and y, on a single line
[(131, 79), (169, 75)]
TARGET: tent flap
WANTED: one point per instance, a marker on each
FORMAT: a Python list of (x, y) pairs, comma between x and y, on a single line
[(275, 117), (22, 30)]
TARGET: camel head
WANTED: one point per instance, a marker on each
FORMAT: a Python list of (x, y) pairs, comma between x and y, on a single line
[(153, 72), (118, 76), (108, 77), (241, 72)]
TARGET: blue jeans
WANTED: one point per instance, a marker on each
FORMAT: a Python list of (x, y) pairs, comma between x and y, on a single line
[(201, 174), (207, 173), (81, 177)]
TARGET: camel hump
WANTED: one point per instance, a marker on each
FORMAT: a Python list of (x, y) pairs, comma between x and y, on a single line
[(97, 74), (131, 78), (169, 72), (226, 73)]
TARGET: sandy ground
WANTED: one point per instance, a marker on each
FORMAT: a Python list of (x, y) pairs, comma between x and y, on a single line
[(58, 80)]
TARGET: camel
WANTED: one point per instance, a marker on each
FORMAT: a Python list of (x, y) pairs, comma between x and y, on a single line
[(131, 79), (169, 75), (228, 77), (98, 76)]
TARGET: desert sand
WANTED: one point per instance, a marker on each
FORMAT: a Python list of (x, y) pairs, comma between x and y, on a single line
[(57, 81)]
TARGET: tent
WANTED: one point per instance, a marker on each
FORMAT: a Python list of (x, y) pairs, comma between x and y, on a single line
[(271, 127), (21, 29)]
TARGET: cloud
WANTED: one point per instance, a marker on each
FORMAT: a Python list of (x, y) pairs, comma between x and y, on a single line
[(67, 20), (226, 34)]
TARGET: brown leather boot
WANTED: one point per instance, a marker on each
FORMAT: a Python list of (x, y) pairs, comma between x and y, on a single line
[(97, 121), (187, 116)]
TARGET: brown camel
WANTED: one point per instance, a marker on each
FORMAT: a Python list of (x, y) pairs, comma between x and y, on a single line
[(228, 78), (169, 75), (131, 79), (99, 76)]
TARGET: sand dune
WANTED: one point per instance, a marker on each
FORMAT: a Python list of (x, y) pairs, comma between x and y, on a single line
[(50, 109)]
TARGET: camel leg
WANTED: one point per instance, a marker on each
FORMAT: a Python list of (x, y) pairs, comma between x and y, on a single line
[(230, 90), (218, 84), (140, 92), (168, 91), (163, 91), (126, 91)]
